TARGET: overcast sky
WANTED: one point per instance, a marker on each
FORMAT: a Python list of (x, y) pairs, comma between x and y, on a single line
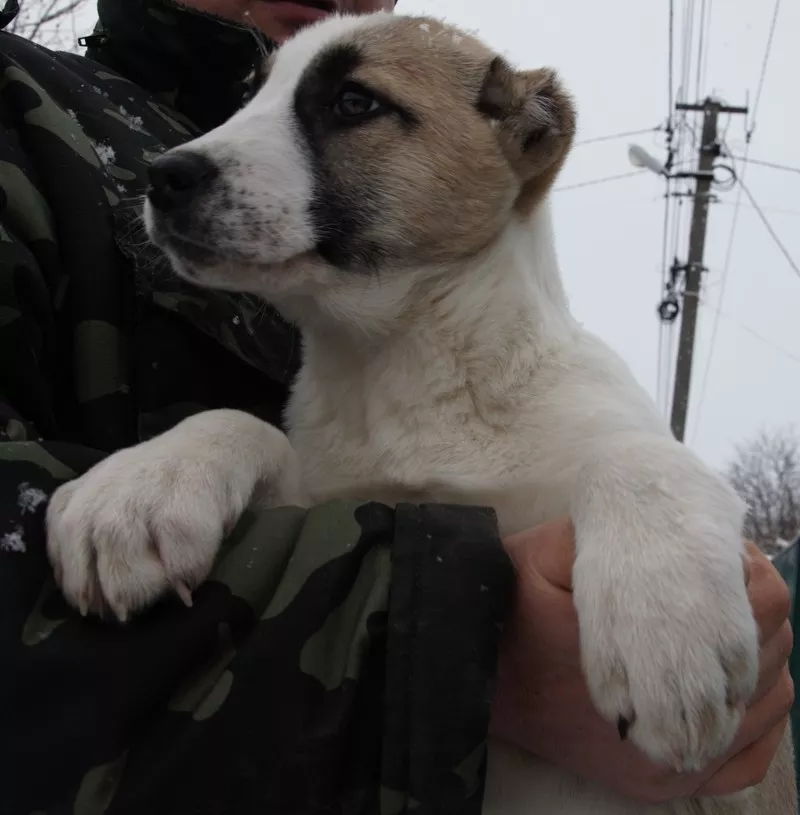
[(613, 56)]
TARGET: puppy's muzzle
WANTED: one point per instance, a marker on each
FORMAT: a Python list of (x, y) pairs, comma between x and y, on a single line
[(178, 179)]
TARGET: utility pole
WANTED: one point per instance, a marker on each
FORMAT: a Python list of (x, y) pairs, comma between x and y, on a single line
[(693, 270)]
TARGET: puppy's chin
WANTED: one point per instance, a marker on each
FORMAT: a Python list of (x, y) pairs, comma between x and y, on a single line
[(303, 274)]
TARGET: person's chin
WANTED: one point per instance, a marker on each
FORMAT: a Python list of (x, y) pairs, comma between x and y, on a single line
[(282, 20)]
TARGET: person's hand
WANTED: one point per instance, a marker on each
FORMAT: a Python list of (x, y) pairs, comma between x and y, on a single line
[(542, 703)]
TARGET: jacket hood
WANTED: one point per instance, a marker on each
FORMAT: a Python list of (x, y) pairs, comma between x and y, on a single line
[(195, 63)]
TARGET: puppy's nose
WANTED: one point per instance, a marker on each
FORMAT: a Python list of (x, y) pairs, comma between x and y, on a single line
[(176, 178)]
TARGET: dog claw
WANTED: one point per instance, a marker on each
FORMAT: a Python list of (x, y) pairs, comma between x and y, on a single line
[(183, 591), (623, 726), (120, 612)]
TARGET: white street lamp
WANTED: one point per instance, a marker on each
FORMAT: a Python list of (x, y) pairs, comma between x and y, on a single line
[(639, 157)]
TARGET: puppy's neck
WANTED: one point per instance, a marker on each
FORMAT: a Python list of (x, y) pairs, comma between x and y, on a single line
[(468, 344), (512, 289)]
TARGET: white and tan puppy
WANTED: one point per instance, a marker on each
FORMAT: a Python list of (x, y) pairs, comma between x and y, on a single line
[(387, 190)]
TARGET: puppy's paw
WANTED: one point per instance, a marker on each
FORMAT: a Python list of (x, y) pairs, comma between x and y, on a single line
[(677, 685), (137, 525), (669, 643)]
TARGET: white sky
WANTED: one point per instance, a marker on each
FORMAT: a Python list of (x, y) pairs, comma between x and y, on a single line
[(613, 56)]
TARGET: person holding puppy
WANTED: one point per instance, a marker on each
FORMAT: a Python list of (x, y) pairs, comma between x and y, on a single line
[(323, 666)]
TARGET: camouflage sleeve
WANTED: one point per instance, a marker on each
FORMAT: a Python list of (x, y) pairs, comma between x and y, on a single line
[(339, 660)]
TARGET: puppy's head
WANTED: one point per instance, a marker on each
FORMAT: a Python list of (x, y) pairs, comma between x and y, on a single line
[(377, 144)]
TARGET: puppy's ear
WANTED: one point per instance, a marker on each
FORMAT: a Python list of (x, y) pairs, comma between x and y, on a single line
[(534, 118)]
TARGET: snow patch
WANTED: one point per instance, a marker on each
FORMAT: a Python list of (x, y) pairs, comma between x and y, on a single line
[(30, 498), (13, 541), (135, 122), (105, 152)]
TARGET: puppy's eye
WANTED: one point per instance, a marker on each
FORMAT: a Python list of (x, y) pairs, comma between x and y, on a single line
[(255, 80), (355, 103)]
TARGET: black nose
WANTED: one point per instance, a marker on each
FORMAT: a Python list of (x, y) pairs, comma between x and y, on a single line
[(176, 178)]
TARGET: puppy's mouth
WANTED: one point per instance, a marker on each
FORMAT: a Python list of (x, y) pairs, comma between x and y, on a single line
[(194, 258), (196, 253)]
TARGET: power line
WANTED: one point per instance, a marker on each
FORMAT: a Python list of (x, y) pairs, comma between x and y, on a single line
[(708, 43), (700, 47), (724, 280), (745, 159), (616, 136), (670, 68), (677, 365), (686, 48), (764, 65), (723, 284), (771, 164), (753, 333), (599, 181), (778, 210), (768, 225), (662, 386), (718, 312)]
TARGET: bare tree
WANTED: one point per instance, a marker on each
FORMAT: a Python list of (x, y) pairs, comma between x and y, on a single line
[(766, 474), (51, 23)]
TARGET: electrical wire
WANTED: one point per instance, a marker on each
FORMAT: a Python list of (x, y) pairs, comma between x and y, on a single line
[(681, 235), (688, 40), (753, 333), (701, 37), (745, 159), (712, 345), (660, 384), (763, 75), (777, 210), (704, 72), (667, 334), (770, 229), (770, 164), (596, 139), (660, 379), (670, 69), (599, 180)]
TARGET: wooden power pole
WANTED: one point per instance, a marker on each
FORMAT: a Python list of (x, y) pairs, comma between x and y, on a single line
[(709, 149)]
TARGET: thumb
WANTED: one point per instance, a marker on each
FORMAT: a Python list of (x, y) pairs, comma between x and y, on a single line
[(546, 551)]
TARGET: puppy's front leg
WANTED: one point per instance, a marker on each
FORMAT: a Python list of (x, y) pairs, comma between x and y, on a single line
[(669, 643), (152, 516)]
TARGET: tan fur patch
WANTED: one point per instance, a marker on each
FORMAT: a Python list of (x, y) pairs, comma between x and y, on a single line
[(449, 182)]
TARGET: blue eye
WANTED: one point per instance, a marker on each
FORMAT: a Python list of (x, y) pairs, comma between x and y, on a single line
[(355, 103)]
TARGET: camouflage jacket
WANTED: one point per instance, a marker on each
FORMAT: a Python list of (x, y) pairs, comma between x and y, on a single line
[(340, 660)]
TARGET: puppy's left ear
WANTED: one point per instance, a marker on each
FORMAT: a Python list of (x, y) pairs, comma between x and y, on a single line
[(534, 118)]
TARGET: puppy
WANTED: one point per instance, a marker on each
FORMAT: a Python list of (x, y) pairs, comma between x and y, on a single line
[(387, 190)]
